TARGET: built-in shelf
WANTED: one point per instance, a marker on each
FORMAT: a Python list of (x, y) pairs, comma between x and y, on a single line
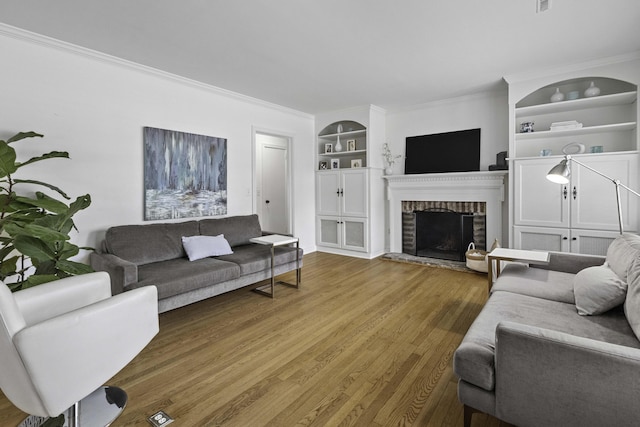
[(343, 153), (615, 127), (578, 104)]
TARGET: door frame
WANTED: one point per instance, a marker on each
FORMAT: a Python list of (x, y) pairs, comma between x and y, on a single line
[(255, 131)]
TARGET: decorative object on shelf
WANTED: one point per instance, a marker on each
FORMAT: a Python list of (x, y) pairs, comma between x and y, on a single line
[(351, 145), (526, 127), (574, 94), (323, 165), (356, 163), (592, 90), (328, 148), (596, 149), (568, 125), (574, 148), (561, 172), (339, 127), (557, 96), (545, 152), (335, 163), (389, 158), (338, 147)]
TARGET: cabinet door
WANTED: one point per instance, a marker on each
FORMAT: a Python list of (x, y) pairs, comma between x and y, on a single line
[(591, 242), (355, 234), (329, 231), (541, 238), (538, 201), (593, 197), (354, 192), (328, 193)]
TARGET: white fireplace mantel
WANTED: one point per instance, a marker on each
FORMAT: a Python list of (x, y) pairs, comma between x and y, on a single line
[(487, 187)]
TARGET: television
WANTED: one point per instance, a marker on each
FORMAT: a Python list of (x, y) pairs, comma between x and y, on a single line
[(457, 151)]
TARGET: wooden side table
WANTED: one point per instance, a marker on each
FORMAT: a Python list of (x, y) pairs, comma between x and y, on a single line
[(506, 254), (274, 240)]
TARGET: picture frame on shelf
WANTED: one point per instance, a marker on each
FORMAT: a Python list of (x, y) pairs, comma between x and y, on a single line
[(356, 163), (323, 166), (351, 145), (335, 163), (328, 148)]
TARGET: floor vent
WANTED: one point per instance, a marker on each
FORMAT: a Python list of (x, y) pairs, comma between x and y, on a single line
[(160, 419)]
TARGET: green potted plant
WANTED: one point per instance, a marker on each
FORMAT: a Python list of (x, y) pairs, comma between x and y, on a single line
[(35, 245)]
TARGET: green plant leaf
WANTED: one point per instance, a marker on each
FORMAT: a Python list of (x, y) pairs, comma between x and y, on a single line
[(44, 184), (34, 248), (23, 135), (7, 160), (45, 202), (8, 266), (73, 268), (51, 155), (36, 231)]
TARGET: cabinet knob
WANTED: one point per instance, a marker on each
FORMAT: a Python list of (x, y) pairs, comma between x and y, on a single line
[(565, 192), (575, 192), (565, 238), (574, 238)]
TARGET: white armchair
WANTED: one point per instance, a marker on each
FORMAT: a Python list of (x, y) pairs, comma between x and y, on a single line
[(62, 340)]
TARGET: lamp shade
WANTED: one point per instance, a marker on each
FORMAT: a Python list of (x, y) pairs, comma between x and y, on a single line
[(560, 173)]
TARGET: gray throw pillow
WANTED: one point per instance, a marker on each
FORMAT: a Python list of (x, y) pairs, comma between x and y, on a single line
[(632, 303), (598, 289), (622, 252)]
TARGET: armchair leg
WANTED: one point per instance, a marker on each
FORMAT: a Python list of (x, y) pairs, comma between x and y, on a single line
[(100, 408), (468, 412)]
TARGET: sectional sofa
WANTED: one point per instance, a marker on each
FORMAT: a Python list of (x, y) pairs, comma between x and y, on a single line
[(557, 345), (190, 261)]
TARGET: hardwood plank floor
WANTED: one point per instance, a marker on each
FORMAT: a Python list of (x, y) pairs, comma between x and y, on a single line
[(361, 343)]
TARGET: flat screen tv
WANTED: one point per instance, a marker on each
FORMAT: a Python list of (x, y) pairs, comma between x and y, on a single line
[(457, 151)]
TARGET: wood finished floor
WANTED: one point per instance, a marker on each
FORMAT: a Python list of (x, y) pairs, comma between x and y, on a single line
[(362, 343)]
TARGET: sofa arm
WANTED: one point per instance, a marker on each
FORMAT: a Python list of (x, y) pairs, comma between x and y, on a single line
[(570, 262), (122, 272), (550, 378)]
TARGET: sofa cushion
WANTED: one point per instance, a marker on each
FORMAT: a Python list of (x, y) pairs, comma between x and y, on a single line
[(632, 302), (536, 282), (198, 247), (253, 258), (236, 229), (622, 252), (598, 289), (149, 243), (474, 358), (178, 276)]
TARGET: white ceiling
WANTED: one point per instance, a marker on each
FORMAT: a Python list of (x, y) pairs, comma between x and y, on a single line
[(323, 55)]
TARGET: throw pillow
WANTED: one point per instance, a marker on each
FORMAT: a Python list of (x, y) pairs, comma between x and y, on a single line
[(598, 289), (198, 247), (622, 252)]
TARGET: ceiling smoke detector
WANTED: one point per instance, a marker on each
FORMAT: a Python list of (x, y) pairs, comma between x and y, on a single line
[(543, 5)]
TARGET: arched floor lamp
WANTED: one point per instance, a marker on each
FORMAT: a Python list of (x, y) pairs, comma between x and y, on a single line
[(561, 172)]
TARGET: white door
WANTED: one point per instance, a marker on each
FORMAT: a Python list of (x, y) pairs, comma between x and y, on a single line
[(353, 192), (272, 183), (328, 193)]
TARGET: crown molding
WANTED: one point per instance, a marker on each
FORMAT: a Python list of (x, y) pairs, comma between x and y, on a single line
[(52, 43)]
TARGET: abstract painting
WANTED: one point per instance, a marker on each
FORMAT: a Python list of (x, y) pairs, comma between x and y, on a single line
[(185, 175)]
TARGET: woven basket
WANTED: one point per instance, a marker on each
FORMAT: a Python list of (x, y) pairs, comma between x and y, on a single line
[(476, 258)]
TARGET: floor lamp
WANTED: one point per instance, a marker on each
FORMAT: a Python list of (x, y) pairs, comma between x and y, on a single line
[(561, 172)]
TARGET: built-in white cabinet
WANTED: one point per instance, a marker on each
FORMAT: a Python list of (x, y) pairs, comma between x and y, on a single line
[(342, 208), (596, 127), (350, 198)]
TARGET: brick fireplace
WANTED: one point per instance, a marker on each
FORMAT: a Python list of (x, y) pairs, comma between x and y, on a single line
[(478, 193)]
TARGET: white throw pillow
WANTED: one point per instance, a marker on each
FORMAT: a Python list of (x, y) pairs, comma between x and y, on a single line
[(198, 247), (598, 289)]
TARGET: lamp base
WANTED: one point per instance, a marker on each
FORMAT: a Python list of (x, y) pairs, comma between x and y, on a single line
[(100, 408)]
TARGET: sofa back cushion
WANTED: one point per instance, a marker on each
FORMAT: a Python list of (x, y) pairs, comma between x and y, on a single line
[(144, 244), (622, 252), (236, 229)]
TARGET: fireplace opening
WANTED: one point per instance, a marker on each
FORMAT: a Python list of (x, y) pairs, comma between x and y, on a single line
[(442, 234)]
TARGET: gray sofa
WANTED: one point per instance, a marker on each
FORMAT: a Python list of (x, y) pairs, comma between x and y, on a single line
[(153, 254), (530, 359)]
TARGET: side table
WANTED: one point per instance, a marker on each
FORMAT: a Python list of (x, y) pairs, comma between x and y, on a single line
[(506, 254), (274, 240)]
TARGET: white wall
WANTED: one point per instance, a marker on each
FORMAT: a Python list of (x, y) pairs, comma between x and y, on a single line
[(487, 111), (95, 107)]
